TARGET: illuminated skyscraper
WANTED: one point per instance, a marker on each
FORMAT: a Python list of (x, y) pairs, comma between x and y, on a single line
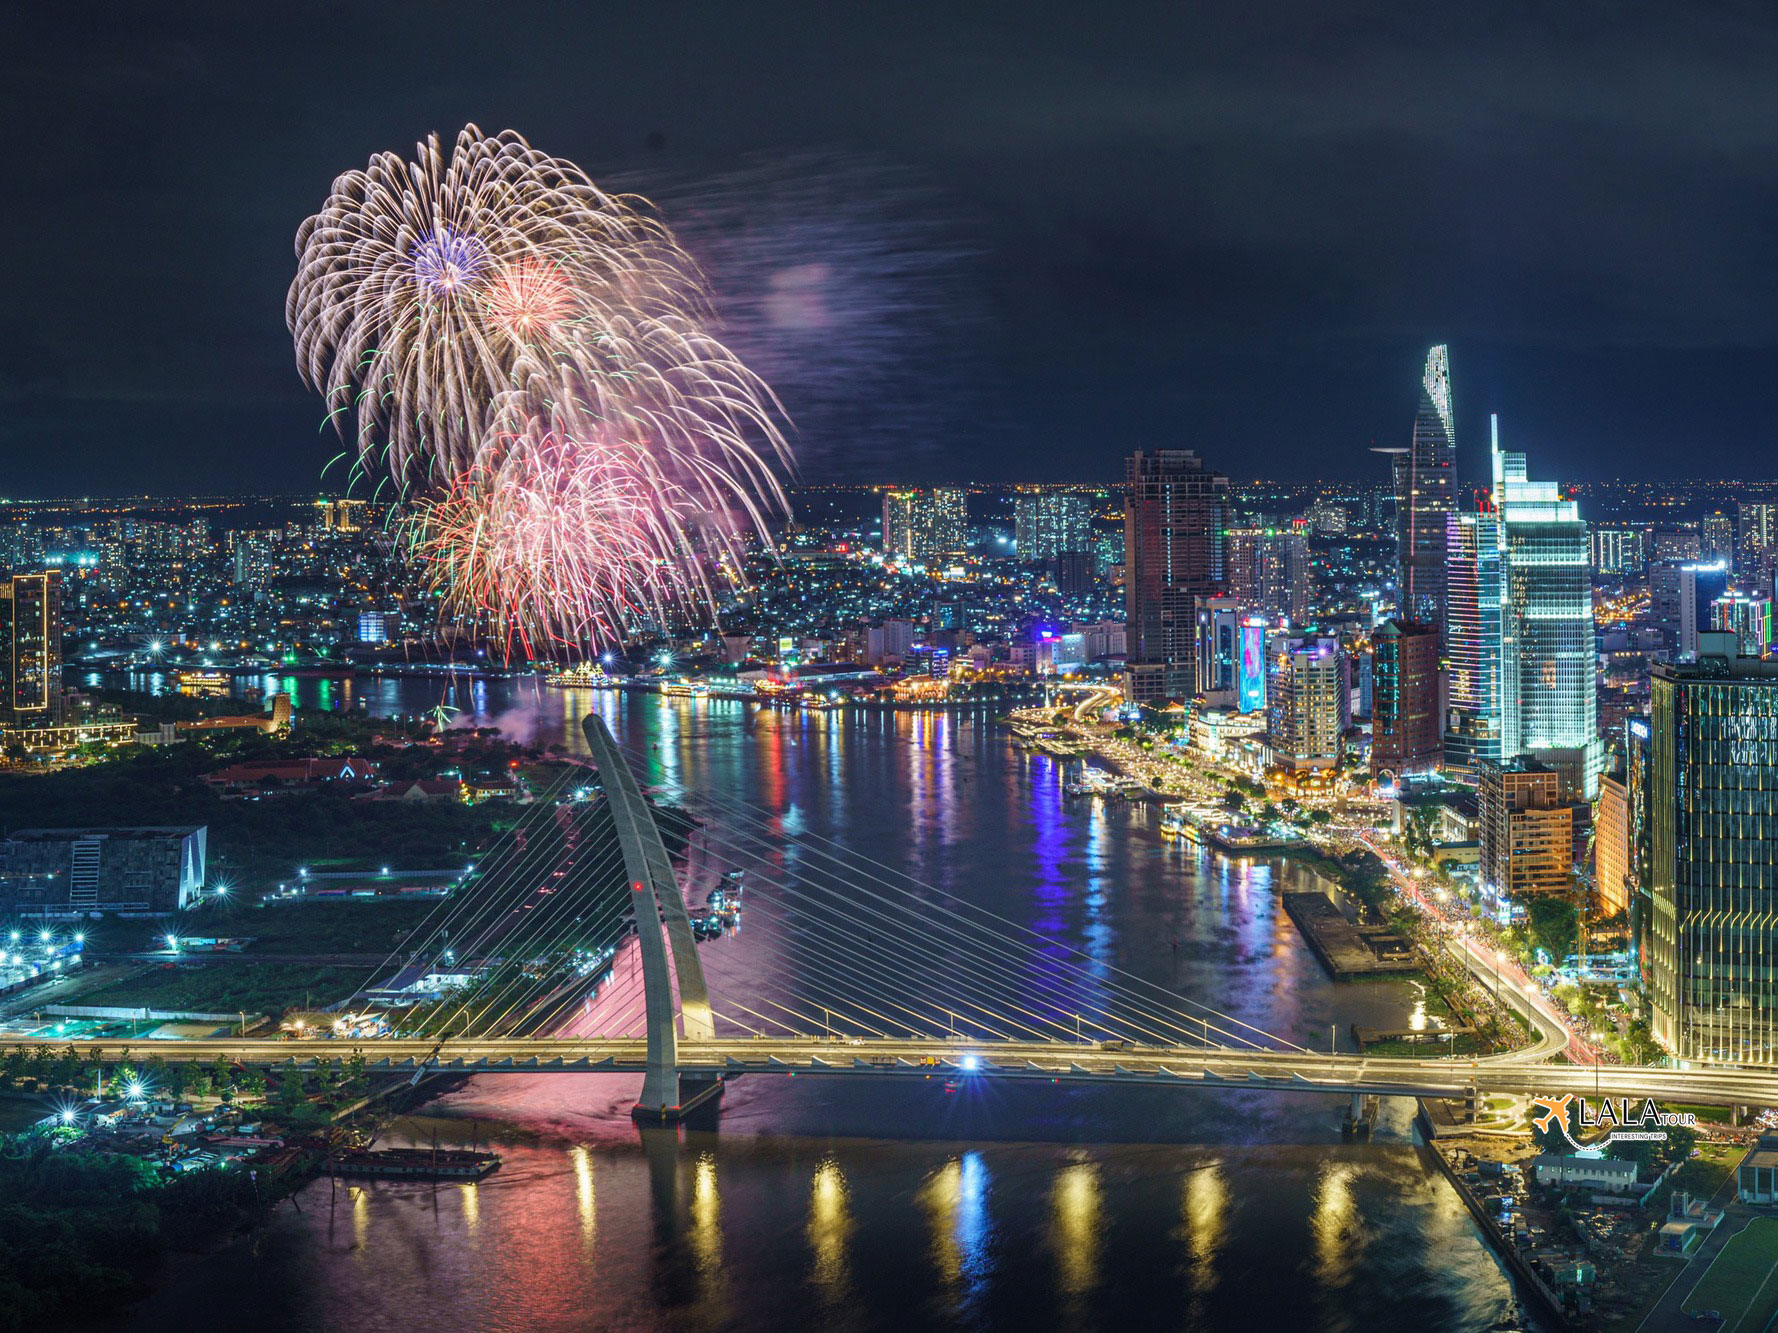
[(1472, 639), (31, 649), (1425, 481), (1713, 815), (1047, 523), (1175, 514), (1548, 658), (1268, 571), (925, 527)]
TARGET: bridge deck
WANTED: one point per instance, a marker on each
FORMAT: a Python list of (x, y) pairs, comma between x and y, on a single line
[(1175, 1066)]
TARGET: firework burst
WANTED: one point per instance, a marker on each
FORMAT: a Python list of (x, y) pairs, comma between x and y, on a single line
[(533, 358)]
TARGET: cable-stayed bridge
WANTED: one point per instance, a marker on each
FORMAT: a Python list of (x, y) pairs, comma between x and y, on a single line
[(587, 958)]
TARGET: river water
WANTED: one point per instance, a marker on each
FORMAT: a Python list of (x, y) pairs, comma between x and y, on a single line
[(861, 1203)]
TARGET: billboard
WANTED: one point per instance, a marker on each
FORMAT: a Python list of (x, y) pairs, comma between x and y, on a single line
[(1253, 667)]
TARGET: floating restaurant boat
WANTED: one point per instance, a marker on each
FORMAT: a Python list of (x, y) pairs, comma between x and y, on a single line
[(584, 676), (413, 1163)]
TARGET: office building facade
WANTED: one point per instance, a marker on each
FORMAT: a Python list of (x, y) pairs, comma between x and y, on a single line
[(1611, 846), (1713, 817), (1548, 688), (1404, 699), (1472, 643), (1175, 514), (1527, 828)]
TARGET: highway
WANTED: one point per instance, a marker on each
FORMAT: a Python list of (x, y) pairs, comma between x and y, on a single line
[(955, 1058)]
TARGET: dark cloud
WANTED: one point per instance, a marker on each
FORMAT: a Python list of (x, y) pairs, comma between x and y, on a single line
[(1181, 224)]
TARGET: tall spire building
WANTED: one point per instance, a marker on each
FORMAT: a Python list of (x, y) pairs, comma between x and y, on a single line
[(1425, 483)]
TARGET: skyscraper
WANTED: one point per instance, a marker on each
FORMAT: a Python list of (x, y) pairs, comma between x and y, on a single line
[(1309, 703), (1219, 652), (1425, 481), (1713, 816), (31, 649), (1175, 513), (1548, 660), (1404, 699), (1047, 523), (1700, 585), (1472, 640), (925, 527), (1268, 571), (1716, 538)]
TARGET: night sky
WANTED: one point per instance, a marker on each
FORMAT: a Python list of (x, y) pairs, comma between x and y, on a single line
[(1038, 242)]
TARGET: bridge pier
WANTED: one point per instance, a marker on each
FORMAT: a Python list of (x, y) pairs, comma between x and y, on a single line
[(692, 1093), (1357, 1123)]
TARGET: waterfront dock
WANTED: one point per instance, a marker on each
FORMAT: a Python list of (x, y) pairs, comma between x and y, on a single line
[(1347, 951), (413, 1163)]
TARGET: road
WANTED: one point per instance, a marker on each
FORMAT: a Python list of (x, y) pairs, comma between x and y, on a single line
[(1516, 1073)]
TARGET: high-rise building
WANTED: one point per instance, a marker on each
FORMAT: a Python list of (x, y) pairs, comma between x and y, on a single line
[(1077, 573), (1618, 551), (1047, 523), (1716, 538), (1527, 842), (1267, 570), (1611, 845), (1472, 640), (1175, 513), (1328, 516), (1404, 699), (1425, 482), (1748, 617), (1757, 522), (925, 527), (1636, 785), (1713, 815), (1219, 652), (1668, 549), (31, 649), (1548, 660), (1700, 585), (1309, 703)]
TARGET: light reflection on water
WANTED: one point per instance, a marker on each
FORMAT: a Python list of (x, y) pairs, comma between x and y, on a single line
[(866, 1203)]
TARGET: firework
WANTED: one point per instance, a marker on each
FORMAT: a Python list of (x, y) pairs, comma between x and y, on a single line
[(420, 286), (555, 539), (533, 357)]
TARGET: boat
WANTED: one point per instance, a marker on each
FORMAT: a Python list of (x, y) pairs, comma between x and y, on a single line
[(413, 1163), (582, 676)]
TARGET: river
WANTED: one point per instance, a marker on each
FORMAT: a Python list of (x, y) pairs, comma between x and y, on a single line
[(859, 1203)]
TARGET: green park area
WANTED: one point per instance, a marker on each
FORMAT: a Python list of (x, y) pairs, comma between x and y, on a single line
[(221, 988), (1742, 1283)]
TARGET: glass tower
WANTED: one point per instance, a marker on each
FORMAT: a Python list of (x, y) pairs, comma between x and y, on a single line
[(1548, 685), (1713, 856), (1472, 638), (1425, 481)]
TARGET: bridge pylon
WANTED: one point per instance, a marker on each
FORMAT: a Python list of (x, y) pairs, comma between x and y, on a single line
[(661, 923)]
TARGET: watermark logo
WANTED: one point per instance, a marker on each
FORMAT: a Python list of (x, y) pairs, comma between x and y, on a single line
[(1627, 1118)]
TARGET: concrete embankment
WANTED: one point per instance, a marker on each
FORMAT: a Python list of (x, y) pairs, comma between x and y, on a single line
[(1343, 948)]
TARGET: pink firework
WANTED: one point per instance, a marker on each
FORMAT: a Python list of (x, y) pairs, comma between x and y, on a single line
[(528, 299), (555, 539)]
